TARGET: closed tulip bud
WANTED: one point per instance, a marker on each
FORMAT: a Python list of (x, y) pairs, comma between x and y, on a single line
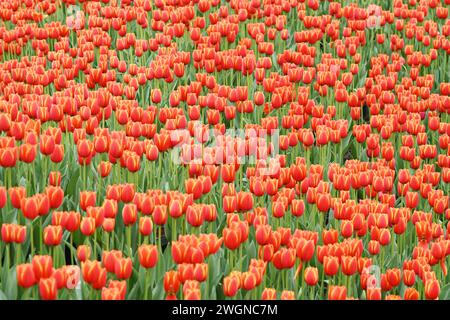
[(42, 266), (266, 252), (48, 289), (311, 276), (409, 277), (262, 234), (16, 194), (129, 214), (209, 212), (307, 251), (297, 207), (145, 225), (330, 265), (104, 168), (60, 275), (111, 294), (191, 294), (148, 256), (109, 259), (330, 236), (346, 228), (123, 268), (160, 215), (53, 235), (411, 294), (90, 270), (87, 199), (249, 280), (8, 157), (194, 216), (393, 276), (244, 201), (55, 196), (25, 275), (175, 208), (231, 238), (269, 294), (109, 224), (373, 293), (30, 208), (201, 272), (432, 289), (278, 209), (87, 226), (185, 272), (349, 265), (179, 251), (231, 285), (337, 293), (323, 202), (171, 282), (284, 258), (110, 208), (120, 285), (385, 237), (229, 204), (287, 295), (54, 178), (374, 247), (128, 192), (83, 252), (99, 282)]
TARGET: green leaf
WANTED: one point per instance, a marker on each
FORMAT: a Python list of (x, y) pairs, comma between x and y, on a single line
[(3, 296), (445, 293), (11, 285), (133, 292)]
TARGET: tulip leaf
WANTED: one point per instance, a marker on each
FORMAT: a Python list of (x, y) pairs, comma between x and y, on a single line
[(72, 184), (3, 296), (133, 292), (11, 285), (141, 278), (445, 293)]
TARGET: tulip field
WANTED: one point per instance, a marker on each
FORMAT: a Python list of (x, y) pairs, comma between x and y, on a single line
[(224, 149)]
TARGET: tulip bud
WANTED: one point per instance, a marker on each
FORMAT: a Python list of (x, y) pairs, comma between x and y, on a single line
[(148, 256), (48, 289)]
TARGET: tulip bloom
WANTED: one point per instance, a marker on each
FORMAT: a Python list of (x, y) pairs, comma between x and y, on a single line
[(148, 256), (311, 276), (25, 275), (48, 289)]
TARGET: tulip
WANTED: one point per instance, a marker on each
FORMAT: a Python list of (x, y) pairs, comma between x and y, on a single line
[(311, 276), (148, 256), (432, 289), (53, 235), (48, 289), (269, 294), (111, 294), (42, 266), (232, 238), (231, 285), (87, 226), (123, 268), (25, 275), (129, 214), (337, 293), (171, 282), (83, 253)]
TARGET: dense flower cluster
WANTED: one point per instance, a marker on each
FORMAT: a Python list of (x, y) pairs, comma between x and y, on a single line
[(197, 149)]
